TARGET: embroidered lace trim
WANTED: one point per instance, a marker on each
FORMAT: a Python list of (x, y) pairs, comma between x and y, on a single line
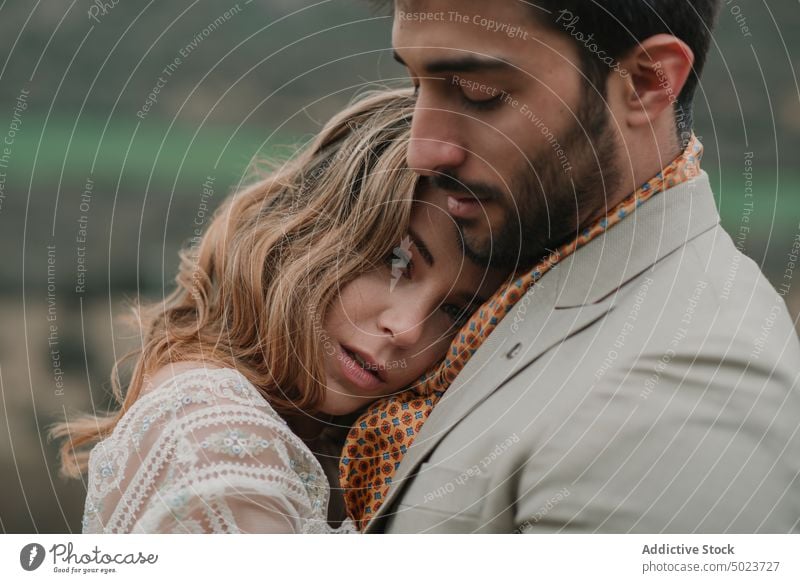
[(205, 452)]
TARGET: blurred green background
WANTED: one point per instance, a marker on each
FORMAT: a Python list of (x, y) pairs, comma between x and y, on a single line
[(255, 79)]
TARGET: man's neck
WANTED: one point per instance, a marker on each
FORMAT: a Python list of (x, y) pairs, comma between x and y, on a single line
[(643, 171)]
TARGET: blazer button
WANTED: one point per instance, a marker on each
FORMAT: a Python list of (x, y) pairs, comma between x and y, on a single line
[(514, 351)]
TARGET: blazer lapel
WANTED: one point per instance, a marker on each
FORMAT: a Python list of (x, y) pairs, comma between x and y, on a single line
[(662, 225), (573, 295)]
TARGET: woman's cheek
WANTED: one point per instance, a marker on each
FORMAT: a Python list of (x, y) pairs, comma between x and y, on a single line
[(366, 293), (365, 290), (437, 348), (445, 332)]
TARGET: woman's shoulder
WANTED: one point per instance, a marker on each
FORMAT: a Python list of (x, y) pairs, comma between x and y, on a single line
[(188, 373), (199, 432), (185, 390), (185, 380)]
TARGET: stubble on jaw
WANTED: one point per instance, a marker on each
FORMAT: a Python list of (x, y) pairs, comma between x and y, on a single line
[(550, 206)]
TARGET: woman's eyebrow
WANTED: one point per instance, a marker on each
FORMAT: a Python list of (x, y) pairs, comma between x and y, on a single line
[(423, 248)]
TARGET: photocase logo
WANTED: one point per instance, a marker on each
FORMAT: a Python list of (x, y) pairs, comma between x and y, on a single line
[(31, 556), (402, 257)]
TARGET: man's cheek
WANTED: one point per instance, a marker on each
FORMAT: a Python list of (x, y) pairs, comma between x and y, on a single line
[(497, 215)]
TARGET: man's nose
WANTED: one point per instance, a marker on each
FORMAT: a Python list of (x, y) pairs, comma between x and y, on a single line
[(434, 146)]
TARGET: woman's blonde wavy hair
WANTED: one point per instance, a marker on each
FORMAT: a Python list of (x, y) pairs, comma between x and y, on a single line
[(274, 257)]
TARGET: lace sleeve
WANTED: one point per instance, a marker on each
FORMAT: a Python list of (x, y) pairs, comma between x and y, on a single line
[(205, 452)]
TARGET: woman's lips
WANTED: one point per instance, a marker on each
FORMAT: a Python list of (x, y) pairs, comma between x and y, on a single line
[(355, 373)]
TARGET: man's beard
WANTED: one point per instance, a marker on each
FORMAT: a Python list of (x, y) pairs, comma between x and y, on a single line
[(549, 205)]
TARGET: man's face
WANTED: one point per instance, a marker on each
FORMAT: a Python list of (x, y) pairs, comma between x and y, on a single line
[(504, 126)]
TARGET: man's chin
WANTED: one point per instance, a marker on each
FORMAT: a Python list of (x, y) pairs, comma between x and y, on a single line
[(476, 241), (491, 247), (480, 250)]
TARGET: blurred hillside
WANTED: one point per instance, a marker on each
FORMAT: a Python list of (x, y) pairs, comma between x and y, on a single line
[(104, 177)]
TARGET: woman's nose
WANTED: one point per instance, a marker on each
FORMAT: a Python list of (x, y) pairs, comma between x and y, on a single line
[(404, 323)]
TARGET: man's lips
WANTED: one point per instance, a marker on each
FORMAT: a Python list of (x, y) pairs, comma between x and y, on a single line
[(465, 207)]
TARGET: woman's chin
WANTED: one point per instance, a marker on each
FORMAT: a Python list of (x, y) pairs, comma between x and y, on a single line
[(341, 401), (338, 401)]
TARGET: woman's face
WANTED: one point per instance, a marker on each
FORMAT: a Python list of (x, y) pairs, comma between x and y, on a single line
[(389, 326)]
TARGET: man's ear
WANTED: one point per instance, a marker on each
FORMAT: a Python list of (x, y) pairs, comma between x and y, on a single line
[(657, 71)]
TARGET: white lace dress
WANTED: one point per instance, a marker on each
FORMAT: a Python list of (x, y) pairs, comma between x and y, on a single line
[(205, 452)]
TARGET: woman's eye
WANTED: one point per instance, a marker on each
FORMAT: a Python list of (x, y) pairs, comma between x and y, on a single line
[(458, 314), (400, 263)]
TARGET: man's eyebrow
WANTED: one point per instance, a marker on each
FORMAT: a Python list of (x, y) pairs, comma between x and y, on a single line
[(465, 64), (423, 248)]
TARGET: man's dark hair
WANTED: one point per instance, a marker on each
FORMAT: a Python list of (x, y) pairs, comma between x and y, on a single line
[(617, 26)]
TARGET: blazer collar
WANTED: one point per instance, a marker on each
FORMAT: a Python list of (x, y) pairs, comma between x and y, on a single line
[(574, 294), (657, 228)]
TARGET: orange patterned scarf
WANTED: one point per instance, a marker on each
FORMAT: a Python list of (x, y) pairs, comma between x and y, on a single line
[(381, 436)]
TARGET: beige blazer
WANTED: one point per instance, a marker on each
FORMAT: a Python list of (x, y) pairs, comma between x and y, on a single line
[(649, 383)]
